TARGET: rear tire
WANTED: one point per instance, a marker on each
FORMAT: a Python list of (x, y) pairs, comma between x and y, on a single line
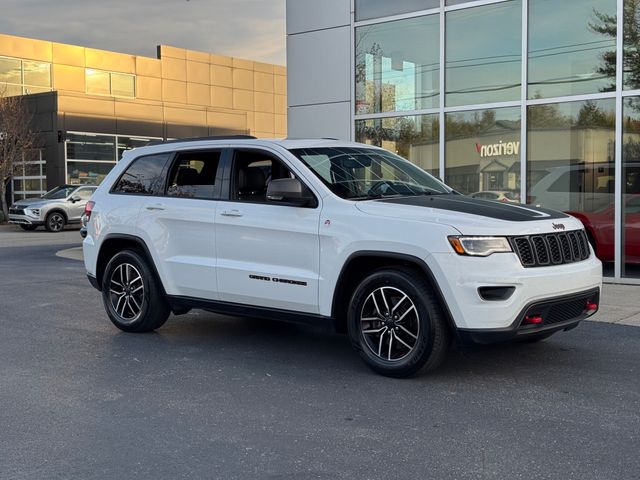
[(55, 222), (396, 323), (132, 295), (28, 228)]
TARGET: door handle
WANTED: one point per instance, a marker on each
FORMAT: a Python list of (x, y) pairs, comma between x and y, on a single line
[(156, 206), (231, 213)]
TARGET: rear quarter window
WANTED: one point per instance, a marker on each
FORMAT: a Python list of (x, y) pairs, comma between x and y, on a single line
[(145, 176)]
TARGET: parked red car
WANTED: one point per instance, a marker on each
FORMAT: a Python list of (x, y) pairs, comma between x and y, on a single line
[(600, 229)]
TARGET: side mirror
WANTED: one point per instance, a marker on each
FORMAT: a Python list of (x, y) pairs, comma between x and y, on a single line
[(75, 199), (289, 191)]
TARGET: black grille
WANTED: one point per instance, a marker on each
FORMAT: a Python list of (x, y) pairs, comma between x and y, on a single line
[(551, 248), (16, 211), (562, 309)]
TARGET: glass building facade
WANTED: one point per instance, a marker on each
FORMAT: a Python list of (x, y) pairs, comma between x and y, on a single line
[(530, 101)]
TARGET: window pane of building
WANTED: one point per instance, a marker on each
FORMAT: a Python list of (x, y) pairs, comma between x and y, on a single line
[(10, 90), (129, 143), (413, 137), (37, 74), (631, 45), (98, 82), (482, 153), (397, 65), (87, 173), (366, 9), (10, 71), (571, 165), (83, 146), (123, 85), (483, 54), (572, 47), (631, 189)]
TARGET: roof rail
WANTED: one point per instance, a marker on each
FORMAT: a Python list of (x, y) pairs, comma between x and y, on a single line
[(200, 139)]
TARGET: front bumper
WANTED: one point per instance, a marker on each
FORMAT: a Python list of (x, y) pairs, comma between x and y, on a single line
[(558, 313), (24, 220)]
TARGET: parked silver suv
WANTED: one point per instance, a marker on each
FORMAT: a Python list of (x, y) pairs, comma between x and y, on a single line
[(56, 208)]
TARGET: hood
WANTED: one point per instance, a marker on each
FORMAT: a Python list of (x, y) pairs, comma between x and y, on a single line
[(471, 216), (33, 201)]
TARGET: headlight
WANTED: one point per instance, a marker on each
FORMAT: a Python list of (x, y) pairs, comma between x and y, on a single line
[(34, 212), (480, 246)]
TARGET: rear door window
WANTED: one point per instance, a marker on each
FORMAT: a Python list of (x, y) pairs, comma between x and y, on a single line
[(145, 176)]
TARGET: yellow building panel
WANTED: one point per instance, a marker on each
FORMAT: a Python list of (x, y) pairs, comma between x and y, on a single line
[(112, 61), (174, 91), (190, 116), (138, 110), (27, 48), (251, 121), (280, 70), (68, 78), (280, 104), (149, 67), (84, 104), (174, 69), (242, 79), (241, 63), (195, 56), (198, 94), (198, 73), (221, 76), (67, 54), (172, 52), (221, 97), (227, 120), (220, 60), (280, 84), (243, 100), (263, 102), (263, 82), (149, 88), (263, 67), (264, 134), (264, 122), (281, 125)]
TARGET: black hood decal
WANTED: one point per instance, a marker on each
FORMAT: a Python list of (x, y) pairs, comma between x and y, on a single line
[(486, 208)]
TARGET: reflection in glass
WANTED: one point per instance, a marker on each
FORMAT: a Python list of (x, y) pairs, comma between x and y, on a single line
[(97, 82), (397, 65), (10, 71), (414, 138), (483, 153), (129, 143), (87, 173), (37, 74), (122, 85), (366, 9), (631, 188), (631, 45), (572, 47), (483, 54), (84, 146), (10, 90)]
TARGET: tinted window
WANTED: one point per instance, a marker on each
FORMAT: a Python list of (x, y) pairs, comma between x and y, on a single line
[(252, 172), (194, 175), (62, 191), (144, 176)]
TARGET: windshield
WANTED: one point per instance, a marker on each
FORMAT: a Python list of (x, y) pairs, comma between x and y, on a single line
[(365, 173), (58, 193)]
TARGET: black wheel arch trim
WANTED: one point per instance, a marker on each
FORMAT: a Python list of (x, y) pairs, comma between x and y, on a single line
[(413, 260), (141, 243)]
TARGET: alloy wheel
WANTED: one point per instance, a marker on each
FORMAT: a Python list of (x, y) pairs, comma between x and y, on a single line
[(126, 292), (390, 323), (56, 222)]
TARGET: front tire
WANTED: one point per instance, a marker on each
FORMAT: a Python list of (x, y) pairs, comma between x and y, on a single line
[(132, 295), (396, 323), (55, 222)]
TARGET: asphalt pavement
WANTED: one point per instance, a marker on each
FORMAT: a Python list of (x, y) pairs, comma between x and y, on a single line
[(209, 396)]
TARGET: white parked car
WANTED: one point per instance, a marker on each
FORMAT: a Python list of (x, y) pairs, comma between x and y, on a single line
[(334, 233)]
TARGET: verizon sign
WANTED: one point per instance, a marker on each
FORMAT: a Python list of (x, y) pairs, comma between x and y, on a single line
[(501, 149)]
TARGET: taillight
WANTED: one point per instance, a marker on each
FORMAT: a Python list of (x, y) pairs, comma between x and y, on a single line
[(88, 208)]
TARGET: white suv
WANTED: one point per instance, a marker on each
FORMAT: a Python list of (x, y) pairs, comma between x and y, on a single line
[(336, 233)]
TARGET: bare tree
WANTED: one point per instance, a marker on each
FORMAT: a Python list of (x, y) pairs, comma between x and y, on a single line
[(17, 139)]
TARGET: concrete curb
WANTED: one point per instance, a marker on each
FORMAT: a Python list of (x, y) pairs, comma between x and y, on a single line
[(71, 254)]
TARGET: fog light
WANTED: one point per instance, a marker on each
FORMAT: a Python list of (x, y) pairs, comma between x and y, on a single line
[(533, 320)]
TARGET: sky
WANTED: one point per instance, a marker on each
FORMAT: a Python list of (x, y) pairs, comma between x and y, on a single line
[(251, 29)]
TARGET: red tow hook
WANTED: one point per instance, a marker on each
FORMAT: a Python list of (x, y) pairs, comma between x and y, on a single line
[(533, 320), (591, 307)]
